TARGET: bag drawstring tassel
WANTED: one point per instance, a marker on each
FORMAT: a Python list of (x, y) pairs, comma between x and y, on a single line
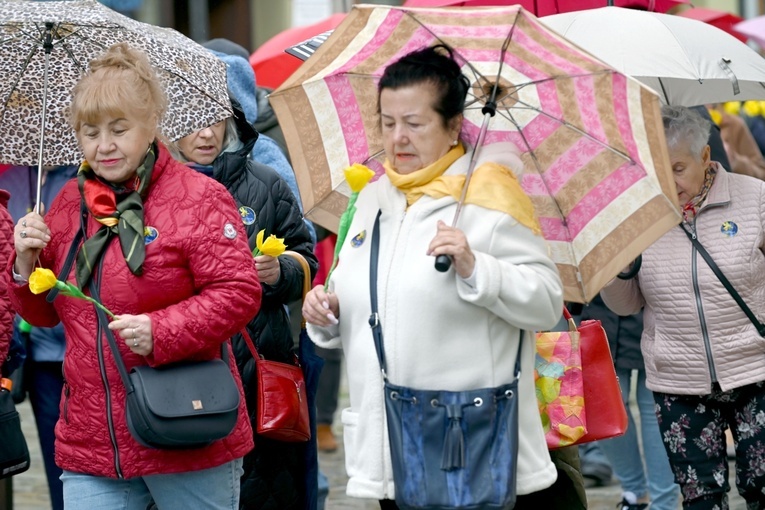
[(453, 456)]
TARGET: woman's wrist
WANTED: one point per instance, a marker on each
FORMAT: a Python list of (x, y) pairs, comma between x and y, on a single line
[(19, 276)]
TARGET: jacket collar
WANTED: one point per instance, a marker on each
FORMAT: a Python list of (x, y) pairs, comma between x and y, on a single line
[(719, 193)]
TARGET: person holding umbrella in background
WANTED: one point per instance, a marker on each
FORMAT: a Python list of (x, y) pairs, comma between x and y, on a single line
[(178, 260)]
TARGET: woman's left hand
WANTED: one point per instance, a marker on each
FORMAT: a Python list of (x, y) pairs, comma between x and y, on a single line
[(135, 331), (268, 268), (452, 242)]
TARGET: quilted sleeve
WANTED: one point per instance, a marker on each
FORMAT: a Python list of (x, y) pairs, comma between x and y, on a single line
[(623, 297), (291, 227), (6, 249), (227, 293), (516, 279)]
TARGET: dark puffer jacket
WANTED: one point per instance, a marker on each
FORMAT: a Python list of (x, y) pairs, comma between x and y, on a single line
[(273, 472)]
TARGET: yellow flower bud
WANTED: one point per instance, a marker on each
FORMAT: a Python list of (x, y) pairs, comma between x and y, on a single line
[(358, 176), (752, 108), (732, 107), (715, 116), (42, 280), (272, 246)]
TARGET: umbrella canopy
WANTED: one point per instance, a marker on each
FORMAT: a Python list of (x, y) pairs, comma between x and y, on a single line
[(78, 31), (547, 7), (593, 145), (720, 19), (688, 62), (753, 29), (272, 65)]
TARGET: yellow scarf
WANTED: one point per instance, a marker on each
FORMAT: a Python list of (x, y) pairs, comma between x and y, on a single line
[(492, 186)]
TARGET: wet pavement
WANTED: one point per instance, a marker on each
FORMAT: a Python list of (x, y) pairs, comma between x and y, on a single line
[(30, 490)]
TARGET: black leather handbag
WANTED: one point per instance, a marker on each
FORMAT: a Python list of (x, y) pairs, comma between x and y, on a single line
[(177, 406), (449, 449), (14, 454)]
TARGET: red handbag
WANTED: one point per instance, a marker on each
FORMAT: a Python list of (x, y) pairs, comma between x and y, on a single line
[(282, 409), (607, 416)]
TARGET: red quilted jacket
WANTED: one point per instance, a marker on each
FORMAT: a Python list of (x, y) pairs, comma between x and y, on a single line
[(199, 286), (6, 249)]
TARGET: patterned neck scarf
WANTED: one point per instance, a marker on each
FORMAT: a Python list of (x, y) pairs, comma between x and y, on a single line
[(691, 209), (119, 207)]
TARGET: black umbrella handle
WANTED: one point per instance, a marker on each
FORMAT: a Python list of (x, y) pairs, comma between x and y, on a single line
[(443, 263)]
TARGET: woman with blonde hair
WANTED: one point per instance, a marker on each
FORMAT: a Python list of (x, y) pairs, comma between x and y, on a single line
[(165, 248)]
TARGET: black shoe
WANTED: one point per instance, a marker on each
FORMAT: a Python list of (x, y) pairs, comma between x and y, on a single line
[(596, 474), (626, 505)]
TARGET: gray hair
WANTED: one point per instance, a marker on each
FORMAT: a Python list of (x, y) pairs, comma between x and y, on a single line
[(230, 136), (684, 126)]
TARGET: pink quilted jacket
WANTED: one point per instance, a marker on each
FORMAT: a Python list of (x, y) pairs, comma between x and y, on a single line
[(695, 333), (6, 248)]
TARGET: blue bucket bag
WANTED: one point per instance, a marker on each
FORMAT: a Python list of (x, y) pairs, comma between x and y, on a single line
[(449, 449)]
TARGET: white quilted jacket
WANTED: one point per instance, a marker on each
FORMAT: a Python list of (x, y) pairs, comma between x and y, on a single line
[(695, 333)]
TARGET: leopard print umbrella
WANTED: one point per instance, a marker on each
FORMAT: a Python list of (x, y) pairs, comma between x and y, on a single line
[(193, 78)]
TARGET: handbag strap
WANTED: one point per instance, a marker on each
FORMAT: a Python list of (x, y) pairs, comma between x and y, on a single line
[(306, 288), (726, 283), (306, 275), (374, 319), (66, 269)]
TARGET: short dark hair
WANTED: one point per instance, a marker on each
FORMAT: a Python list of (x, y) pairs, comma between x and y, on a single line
[(435, 65)]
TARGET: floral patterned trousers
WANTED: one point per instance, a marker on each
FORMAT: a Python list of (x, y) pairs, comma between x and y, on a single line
[(693, 429)]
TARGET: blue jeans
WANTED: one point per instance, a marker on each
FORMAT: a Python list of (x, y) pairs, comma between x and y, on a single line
[(624, 451), (215, 489)]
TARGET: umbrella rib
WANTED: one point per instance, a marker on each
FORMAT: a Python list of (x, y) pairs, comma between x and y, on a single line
[(16, 82), (569, 240)]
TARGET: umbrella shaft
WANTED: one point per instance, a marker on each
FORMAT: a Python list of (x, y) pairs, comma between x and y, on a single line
[(42, 133), (473, 160)]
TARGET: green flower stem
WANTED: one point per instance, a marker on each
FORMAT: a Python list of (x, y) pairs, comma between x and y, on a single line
[(342, 233), (67, 289), (256, 252)]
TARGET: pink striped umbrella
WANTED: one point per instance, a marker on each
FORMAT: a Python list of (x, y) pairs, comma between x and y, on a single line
[(596, 163), (548, 7)]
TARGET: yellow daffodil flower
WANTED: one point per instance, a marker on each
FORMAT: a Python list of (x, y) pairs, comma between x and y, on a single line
[(716, 116), (732, 107), (42, 280), (271, 246), (752, 108), (358, 176)]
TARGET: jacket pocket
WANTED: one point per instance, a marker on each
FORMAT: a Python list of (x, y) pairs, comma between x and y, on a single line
[(351, 442)]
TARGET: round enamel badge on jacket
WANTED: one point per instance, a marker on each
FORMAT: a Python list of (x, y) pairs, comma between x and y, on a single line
[(229, 231), (729, 228), (150, 234), (358, 239), (247, 214)]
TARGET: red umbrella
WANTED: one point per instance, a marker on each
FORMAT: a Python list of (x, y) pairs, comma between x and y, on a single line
[(547, 7), (720, 19), (272, 65)]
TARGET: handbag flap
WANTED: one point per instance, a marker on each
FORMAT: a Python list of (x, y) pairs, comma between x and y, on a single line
[(186, 389)]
